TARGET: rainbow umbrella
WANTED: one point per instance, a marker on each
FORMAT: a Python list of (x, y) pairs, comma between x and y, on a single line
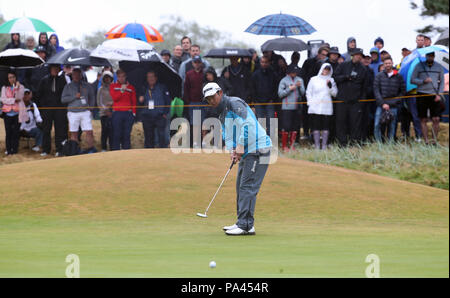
[(135, 30), (25, 24)]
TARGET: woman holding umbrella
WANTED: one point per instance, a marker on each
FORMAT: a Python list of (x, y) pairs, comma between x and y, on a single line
[(13, 110)]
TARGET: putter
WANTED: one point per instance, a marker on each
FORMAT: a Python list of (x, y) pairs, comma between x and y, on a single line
[(204, 215)]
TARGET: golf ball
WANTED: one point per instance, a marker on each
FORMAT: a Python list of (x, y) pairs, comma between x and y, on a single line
[(212, 264)]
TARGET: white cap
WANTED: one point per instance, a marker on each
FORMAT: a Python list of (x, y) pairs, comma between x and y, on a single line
[(210, 89)]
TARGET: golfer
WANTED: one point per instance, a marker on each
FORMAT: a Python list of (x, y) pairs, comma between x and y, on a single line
[(249, 145)]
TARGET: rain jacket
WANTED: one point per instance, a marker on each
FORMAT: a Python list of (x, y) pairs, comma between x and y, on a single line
[(50, 91), (319, 95), (264, 85), (8, 99), (290, 99), (351, 89), (33, 117), (423, 71), (375, 64), (82, 104), (160, 97), (241, 127), (57, 48), (50, 50), (347, 56), (13, 45), (388, 87), (240, 80), (123, 101)]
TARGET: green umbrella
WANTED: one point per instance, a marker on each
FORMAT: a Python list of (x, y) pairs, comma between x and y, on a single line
[(25, 24)]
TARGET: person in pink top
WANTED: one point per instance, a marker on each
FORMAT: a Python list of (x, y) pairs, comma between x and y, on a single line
[(13, 112)]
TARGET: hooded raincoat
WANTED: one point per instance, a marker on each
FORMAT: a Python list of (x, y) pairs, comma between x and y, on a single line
[(319, 94)]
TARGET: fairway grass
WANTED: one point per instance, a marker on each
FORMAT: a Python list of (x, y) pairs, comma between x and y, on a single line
[(132, 214)]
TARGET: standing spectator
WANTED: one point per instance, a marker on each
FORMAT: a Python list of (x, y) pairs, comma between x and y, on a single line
[(156, 97), (249, 64), (430, 81), (333, 60), (177, 57), (311, 68), (351, 46), (351, 79), (29, 125), (53, 111), (255, 58), (290, 91), (333, 57), (264, 86), (321, 89), (420, 41), (192, 95), (239, 79), (427, 41), (15, 42), (188, 65), (186, 44), (34, 76), (379, 43), (295, 59), (388, 84), (54, 42), (80, 97), (384, 54), (375, 60), (44, 42), (105, 103), (370, 107), (166, 56), (124, 111), (13, 109), (30, 43), (273, 58)]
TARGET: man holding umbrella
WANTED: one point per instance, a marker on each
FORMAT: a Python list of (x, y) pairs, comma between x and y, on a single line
[(250, 146)]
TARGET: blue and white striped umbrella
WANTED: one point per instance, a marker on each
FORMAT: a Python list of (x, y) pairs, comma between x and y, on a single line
[(281, 25)]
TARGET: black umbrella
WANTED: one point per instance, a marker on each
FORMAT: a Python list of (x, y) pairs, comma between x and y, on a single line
[(284, 44), (136, 74), (228, 52), (443, 39), (79, 57), (20, 58)]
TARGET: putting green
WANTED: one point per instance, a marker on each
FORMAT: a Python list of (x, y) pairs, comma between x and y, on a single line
[(133, 214)]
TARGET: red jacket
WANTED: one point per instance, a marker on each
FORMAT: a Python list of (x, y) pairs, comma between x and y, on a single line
[(123, 101), (193, 87)]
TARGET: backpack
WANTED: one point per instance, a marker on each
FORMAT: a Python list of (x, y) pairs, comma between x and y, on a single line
[(71, 148)]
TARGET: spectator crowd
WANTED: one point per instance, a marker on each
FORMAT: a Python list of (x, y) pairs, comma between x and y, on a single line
[(346, 99)]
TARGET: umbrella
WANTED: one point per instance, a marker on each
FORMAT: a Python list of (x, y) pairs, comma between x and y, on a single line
[(284, 44), (125, 49), (443, 39), (136, 58), (419, 55), (77, 56), (280, 24), (25, 24), (136, 31), (20, 58), (228, 52)]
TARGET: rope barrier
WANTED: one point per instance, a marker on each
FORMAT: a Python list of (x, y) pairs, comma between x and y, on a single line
[(252, 104)]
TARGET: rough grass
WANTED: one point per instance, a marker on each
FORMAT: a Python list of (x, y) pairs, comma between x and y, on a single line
[(419, 163), (132, 214)]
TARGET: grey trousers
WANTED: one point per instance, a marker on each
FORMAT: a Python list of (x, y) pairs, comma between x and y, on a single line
[(249, 179)]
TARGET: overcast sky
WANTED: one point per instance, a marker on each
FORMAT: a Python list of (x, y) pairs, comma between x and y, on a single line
[(334, 21)]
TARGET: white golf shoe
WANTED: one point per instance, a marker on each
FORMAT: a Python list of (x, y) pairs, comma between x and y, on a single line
[(240, 232), (230, 227)]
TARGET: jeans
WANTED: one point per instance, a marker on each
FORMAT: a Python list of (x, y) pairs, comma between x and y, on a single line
[(150, 124), (36, 134), (12, 129), (106, 132), (267, 112), (122, 124), (392, 125)]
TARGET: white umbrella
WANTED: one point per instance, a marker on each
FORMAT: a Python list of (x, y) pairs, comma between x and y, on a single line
[(20, 58), (125, 49), (441, 57)]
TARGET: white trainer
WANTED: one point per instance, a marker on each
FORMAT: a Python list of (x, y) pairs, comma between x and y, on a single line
[(36, 149), (252, 231), (44, 154), (230, 227), (236, 232)]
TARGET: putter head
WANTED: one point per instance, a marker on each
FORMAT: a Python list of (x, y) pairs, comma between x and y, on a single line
[(202, 215)]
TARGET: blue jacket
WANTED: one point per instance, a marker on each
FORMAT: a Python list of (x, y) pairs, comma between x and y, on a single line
[(57, 47), (241, 127), (375, 64), (160, 96)]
